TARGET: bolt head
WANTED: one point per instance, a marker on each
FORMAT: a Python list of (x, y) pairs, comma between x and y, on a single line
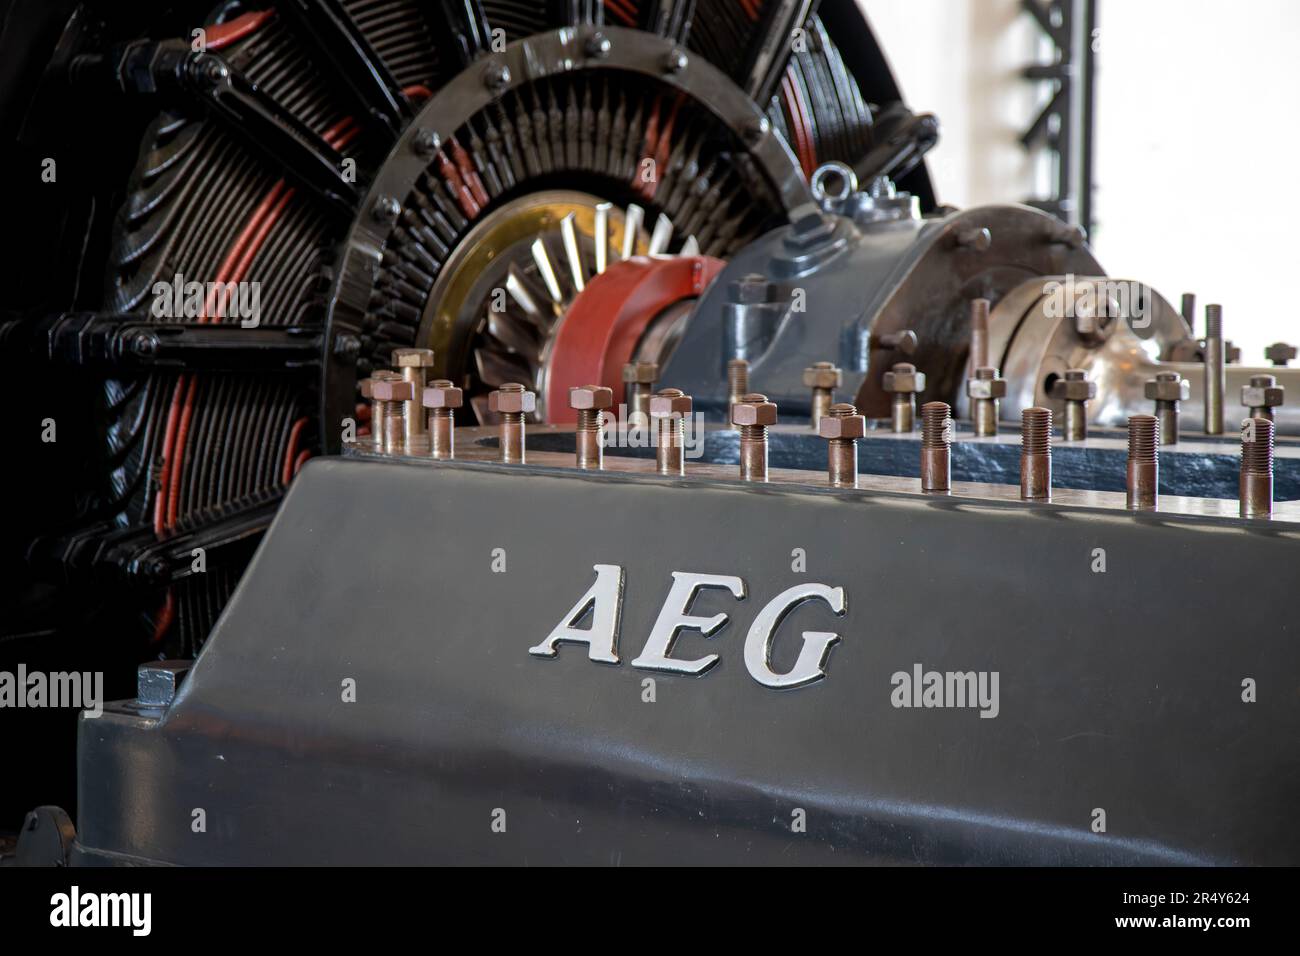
[(670, 403), (822, 375), (392, 390), (1074, 387), (1262, 396), (753, 410), (386, 209), (598, 46), (511, 402), (413, 358), (426, 142), (986, 388), (751, 289), (1279, 353), (675, 61), (904, 378), (590, 396), (1167, 389), (442, 394), (642, 373), (842, 426)]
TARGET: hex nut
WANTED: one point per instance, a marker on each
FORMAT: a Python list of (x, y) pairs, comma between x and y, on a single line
[(1262, 396), (393, 390), (642, 373), (412, 358), (512, 403), (753, 410), (904, 378), (1167, 390), (1074, 390), (842, 426), (366, 387), (822, 375), (590, 396), (986, 388), (442, 394), (669, 406)]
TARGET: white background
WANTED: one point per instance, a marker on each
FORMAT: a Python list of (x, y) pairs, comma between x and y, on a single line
[(1197, 138)]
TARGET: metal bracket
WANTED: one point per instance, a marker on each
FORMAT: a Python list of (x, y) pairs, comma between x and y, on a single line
[(166, 67), (1065, 126)]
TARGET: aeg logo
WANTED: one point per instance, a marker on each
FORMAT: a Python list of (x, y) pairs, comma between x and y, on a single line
[(604, 601)]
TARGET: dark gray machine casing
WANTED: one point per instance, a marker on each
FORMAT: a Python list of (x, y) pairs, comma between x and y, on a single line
[(1119, 691)]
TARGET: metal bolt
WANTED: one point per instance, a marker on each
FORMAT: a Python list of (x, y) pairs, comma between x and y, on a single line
[(391, 398), (386, 210), (903, 341), (598, 46), (904, 381), (936, 442), (1076, 391), (639, 382), (1036, 453), (985, 390), (1279, 353), (823, 378), (426, 142), (675, 61), (1262, 395), (1231, 353), (1256, 487), (1215, 380), (378, 408), (144, 344), (751, 416), (1167, 389), (512, 402), (737, 380), (442, 398), (977, 238), (496, 76), (842, 426), (1142, 480), (414, 365), (589, 401), (979, 333), (670, 407)]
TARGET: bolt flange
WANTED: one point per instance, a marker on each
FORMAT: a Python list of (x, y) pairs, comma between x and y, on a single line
[(985, 391), (1036, 453), (1256, 485), (751, 416), (442, 398), (1142, 479), (904, 382), (936, 447), (1076, 391), (589, 401), (823, 378), (842, 426), (513, 402), (1167, 389), (670, 408)]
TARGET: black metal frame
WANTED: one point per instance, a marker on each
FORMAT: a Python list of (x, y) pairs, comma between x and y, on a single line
[(1065, 127)]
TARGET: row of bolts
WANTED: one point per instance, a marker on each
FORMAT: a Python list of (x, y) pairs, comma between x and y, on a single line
[(397, 425)]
